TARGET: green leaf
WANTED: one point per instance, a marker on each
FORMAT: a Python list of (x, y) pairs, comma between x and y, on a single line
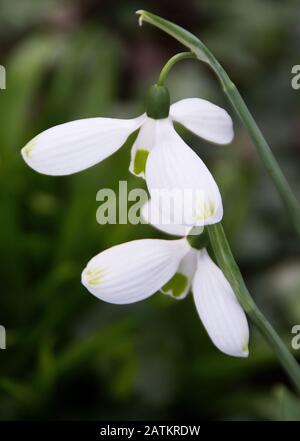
[(288, 405)]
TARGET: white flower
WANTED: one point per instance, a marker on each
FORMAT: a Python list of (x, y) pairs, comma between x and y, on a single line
[(158, 154), (135, 270)]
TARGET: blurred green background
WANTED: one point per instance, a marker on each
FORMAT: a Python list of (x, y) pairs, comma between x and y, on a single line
[(69, 355)]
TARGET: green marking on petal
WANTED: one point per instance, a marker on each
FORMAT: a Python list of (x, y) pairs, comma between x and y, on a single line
[(140, 159), (94, 276), (28, 148), (205, 211), (245, 347), (176, 286)]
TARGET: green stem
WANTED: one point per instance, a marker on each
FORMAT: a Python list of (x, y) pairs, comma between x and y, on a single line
[(216, 233), (170, 63), (198, 241), (232, 272), (264, 151)]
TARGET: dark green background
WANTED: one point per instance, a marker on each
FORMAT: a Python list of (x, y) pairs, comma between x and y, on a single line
[(69, 355)]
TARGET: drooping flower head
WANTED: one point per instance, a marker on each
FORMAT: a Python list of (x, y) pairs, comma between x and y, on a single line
[(136, 270), (159, 154)]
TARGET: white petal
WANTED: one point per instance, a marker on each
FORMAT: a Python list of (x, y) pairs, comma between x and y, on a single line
[(142, 146), (204, 119), (77, 145), (219, 309), (177, 177), (180, 284), (154, 216), (134, 270)]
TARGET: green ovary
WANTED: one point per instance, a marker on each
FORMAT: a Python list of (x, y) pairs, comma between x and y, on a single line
[(177, 285), (139, 165)]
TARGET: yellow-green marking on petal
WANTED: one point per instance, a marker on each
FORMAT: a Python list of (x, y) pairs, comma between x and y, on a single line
[(176, 286), (94, 276), (205, 211), (28, 148), (140, 159), (245, 348)]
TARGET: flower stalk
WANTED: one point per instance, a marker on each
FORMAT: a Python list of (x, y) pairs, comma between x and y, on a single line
[(264, 151), (198, 241), (232, 272), (170, 63)]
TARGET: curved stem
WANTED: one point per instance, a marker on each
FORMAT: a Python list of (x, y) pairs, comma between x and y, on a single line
[(232, 272), (170, 63), (216, 233), (263, 149)]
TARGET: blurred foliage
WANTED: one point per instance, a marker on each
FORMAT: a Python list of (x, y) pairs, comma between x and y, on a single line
[(70, 356)]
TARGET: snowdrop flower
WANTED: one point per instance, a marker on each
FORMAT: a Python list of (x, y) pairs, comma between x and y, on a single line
[(135, 270), (158, 154)]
